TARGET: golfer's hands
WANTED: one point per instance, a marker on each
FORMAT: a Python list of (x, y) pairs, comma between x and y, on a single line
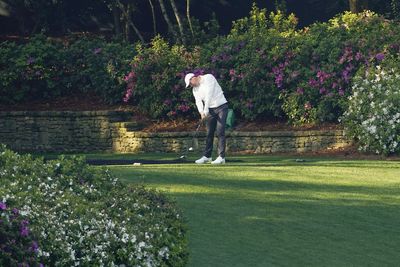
[(203, 116)]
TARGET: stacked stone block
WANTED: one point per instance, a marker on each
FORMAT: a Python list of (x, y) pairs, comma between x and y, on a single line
[(113, 131)]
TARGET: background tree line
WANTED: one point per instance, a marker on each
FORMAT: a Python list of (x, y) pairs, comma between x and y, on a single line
[(181, 21)]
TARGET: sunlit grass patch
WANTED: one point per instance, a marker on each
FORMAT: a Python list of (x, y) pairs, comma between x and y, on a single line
[(275, 211)]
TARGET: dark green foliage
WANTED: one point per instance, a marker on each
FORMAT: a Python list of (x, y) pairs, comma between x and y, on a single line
[(30, 71), (97, 66), (43, 69)]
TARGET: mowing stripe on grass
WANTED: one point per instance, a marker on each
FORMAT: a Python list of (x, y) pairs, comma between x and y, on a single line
[(271, 211)]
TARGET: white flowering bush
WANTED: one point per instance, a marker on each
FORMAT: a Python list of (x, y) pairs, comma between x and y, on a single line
[(83, 216), (373, 115)]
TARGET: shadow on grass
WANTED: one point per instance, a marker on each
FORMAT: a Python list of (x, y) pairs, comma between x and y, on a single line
[(268, 183), (290, 233), (264, 214), (292, 224)]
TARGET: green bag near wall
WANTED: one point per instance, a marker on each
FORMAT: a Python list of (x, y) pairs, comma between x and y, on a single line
[(230, 119)]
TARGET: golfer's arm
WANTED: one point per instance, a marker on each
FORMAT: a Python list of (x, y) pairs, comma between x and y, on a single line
[(210, 87), (200, 106), (199, 103)]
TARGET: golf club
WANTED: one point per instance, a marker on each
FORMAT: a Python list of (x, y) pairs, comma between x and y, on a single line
[(191, 149)]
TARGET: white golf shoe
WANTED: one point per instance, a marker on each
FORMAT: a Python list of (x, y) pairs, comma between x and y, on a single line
[(203, 160), (218, 160)]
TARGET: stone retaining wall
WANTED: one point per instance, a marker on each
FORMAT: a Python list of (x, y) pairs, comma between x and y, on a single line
[(62, 131), (96, 131), (256, 142)]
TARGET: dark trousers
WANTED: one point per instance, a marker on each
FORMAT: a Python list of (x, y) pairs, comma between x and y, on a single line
[(216, 122)]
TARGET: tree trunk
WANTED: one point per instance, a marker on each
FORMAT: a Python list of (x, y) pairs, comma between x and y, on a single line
[(4, 9), (178, 20), (136, 31), (127, 15), (357, 6), (154, 17), (117, 23), (35, 27), (61, 7), (22, 25), (395, 6), (130, 23), (188, 17), (165, 15), (127, 11), (20, 14)]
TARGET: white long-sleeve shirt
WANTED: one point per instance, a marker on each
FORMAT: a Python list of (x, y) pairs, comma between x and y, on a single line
[(209, 92)]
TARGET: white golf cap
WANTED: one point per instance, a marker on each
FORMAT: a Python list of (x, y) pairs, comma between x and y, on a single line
[(187, 79)]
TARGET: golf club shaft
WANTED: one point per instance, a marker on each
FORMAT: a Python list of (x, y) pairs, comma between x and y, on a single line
[(183, 155), (196, 133)]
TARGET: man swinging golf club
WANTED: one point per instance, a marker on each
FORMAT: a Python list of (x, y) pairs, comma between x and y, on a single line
[(213, 108)]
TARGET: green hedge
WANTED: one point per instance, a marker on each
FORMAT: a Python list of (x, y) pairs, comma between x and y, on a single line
[(44, 68), (77, 215), (31, 70)]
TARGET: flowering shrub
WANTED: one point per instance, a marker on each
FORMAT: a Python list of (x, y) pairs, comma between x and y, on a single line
[(43, 68), (373, 115), (17, 245), (265, 66), (97, 66), (245, 62), (155, 84), (83, 216), (317, 80), (30, 71)]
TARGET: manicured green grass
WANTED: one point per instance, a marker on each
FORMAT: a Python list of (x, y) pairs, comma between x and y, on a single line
[(275, 211)]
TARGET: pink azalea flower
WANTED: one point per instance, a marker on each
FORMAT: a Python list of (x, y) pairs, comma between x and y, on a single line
[(380, 56), (97, 51), (300, 90)]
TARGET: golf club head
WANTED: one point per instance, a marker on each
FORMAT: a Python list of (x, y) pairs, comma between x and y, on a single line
[(198, 126)]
